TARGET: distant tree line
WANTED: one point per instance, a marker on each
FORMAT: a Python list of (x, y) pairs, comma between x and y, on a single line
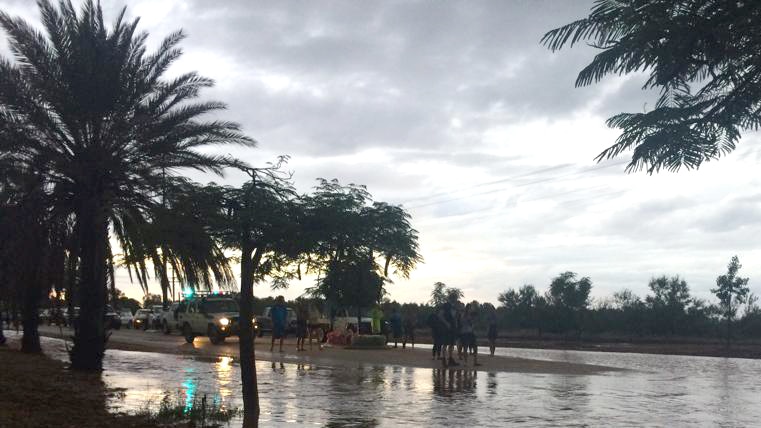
[(668, 310)]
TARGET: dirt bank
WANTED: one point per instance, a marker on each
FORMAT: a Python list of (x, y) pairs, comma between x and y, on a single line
[(40, 392)]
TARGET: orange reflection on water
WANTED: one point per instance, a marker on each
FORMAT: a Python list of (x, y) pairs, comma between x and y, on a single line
[(223, 368)]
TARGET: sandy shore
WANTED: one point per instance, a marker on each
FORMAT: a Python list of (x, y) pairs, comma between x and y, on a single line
[(154, 341)]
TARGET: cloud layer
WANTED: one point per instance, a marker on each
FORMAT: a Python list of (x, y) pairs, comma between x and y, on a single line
[(456, 111)]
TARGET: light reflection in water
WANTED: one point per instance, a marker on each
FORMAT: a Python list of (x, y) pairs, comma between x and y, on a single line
[(223, 368), (189, 385)]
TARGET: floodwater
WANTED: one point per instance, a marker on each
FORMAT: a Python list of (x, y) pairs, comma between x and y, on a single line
[(657, 390)]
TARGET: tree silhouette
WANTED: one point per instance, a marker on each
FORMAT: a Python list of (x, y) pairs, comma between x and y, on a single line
[(703, 57), (670, 299), (86, 108), (732, 291)]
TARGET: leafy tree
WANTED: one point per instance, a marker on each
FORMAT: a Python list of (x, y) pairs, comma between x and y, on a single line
[(702, 55), (732, 291), (129, 303), (438, 294), (569, 298), (670, 299), (261, 221), (348, 232), (632, 310), (151, 300), (521, 305), (86, 108)]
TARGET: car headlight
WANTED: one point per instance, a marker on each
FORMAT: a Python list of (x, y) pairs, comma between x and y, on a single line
[(224, 322)]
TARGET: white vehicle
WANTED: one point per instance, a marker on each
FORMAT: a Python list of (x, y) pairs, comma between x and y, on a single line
[(142, 319), (170, 319), (126, 316), (156, 311), (215, 316)]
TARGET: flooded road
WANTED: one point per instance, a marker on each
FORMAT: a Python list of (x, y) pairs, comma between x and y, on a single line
[(658, 390)]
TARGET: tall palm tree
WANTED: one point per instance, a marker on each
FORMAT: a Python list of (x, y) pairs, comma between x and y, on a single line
[(86, 107)]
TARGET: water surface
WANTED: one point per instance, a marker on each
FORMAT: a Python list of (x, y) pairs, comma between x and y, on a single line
[(658, 390)]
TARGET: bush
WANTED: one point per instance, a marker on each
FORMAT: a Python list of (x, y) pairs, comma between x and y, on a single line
[(368, 342)]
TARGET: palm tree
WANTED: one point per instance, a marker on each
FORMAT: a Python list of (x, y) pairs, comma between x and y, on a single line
[(177, 237), (86, 107)]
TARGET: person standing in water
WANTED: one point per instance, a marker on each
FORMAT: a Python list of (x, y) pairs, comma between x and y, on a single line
[(433, 323), (279, 315), (376, 315), (492, 333), (409, 329), (302, 317), (447, 316), (396, 326), (468, 335)]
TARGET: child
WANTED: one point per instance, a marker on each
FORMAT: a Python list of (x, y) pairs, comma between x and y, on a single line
[(492, 335), (301, 328)]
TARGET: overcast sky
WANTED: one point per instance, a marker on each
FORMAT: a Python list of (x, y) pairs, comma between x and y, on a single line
[(454, 110)]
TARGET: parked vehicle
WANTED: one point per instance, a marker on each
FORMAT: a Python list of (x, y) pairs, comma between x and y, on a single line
[(156, 312), (125, 315), (265, 321), (215, 316), (169, 319), (142, 319), (111, 319)]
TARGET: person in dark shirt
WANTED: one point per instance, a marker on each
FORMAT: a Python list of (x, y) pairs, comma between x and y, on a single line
[(396, 326), (447, 315), (434, 324), (409, 329), (468, 335), (301, 327)]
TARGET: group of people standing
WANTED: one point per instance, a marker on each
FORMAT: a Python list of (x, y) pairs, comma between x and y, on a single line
[(453, 326), (398, 328)]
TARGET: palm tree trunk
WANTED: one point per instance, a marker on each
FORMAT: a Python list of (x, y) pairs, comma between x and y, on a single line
[(71, 273), (247, 353), (89, 335), (164, 279), (112, 278), (34, 277), (30, 341)]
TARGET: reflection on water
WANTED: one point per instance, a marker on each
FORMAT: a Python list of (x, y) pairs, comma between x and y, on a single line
[(658, 390), (189, 385)]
